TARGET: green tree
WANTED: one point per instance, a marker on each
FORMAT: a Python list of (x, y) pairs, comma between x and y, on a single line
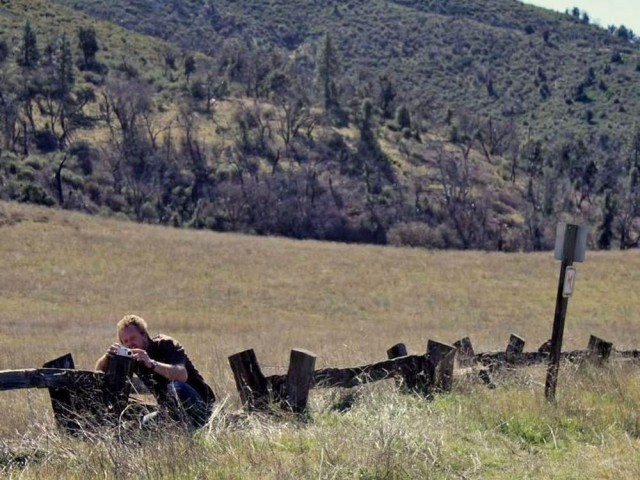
[(605, 230), (88, 43), (328, 69), (28, 55), (56, 99), (386, 96), (4, 50), (189, 66)]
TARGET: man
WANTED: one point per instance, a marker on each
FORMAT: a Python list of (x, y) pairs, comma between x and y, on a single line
[(164, 367)]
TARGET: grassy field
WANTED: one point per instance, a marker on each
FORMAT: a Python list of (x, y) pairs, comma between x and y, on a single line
[(67, 278)]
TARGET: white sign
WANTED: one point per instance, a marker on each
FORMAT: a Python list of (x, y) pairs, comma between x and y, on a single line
[(569, 281)]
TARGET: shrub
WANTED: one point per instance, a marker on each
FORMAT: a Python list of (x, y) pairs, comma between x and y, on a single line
[(414, 234), (35, 194), (116, 202), (94, 191), (46, 141), (148, 213), (72, 179), (83, 152)]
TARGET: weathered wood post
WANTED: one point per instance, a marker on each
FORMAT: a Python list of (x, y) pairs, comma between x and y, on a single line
[(466, 357), (571, 243), (250, 382), (598, 351), (300, 379), (441, 357), (61, 402), (117, 385), (406, 381), (514, 348), (464, 352)]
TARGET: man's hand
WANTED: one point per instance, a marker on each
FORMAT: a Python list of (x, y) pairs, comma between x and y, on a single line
[(141, 356)]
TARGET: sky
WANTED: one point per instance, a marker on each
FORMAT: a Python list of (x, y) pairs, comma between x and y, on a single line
[(601, 12)]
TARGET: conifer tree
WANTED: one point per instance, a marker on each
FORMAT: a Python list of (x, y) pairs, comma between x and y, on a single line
[(88, 45), (28, 55), (328, 70)]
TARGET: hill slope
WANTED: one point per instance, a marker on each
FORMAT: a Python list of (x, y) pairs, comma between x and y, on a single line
[(495, 57), (474, 124)]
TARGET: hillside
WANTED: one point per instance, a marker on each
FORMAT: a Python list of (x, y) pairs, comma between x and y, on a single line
[(473, 124), (498, 57)]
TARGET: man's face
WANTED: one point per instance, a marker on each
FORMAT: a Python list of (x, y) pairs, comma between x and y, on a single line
[(131, 337)]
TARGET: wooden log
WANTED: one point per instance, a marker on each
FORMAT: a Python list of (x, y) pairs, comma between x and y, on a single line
[(300, 378), (598, 351), (398, 350), (405, 379), (250, 382), (495, 359), (354, 376), (464, 352), (514, 348), (117, 386), (61, 398), (44, 378), (441, 358)]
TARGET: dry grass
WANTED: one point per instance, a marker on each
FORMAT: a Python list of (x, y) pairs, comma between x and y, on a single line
[(67, 278)]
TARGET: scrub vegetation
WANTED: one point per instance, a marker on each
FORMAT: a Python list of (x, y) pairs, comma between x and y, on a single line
[(440, 124)]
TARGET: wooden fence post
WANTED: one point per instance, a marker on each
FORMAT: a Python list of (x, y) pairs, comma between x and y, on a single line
[(117, 385), (79, 404), (61, 402), (514, 348), (250, 382), (464, 352), (398, 350), (598, 351), (406, 380), (300, 378), (441, 357)]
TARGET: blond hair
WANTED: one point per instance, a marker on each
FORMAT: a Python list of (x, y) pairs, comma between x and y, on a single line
[(134, 320)]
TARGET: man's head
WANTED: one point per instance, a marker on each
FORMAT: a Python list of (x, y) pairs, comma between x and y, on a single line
[(132, 332)]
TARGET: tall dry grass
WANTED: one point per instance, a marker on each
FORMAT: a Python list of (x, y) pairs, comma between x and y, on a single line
[(66, 279)]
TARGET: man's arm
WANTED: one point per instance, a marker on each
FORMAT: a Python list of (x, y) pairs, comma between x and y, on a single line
[(177, 372), (172, 372)]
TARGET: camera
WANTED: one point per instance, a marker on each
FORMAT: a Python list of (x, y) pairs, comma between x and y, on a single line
[(123, 351)]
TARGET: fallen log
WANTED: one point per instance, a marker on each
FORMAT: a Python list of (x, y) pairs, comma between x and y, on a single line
[(524, 358), (47, 378), (354, 376)]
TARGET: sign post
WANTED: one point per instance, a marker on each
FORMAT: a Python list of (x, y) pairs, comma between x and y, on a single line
[(571, 243)]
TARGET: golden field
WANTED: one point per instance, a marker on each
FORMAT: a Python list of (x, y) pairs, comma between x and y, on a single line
[(68, 278)]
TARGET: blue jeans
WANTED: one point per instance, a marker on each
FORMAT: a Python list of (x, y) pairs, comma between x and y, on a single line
[(185, 404)]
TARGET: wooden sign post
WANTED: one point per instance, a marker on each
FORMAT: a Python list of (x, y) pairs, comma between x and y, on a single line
[(571, 242)]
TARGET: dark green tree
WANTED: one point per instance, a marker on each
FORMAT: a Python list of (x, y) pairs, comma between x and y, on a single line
[(56, 100), (189, 66), (88, 43), (328, 70), (28, 54), (386, 96), (4, 50), (605, 230)]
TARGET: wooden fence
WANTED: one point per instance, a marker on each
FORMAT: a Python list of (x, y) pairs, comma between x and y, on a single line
[(426, 374), (82, 400)]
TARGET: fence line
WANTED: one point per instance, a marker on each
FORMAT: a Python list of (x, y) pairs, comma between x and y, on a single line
[(81, 399)]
